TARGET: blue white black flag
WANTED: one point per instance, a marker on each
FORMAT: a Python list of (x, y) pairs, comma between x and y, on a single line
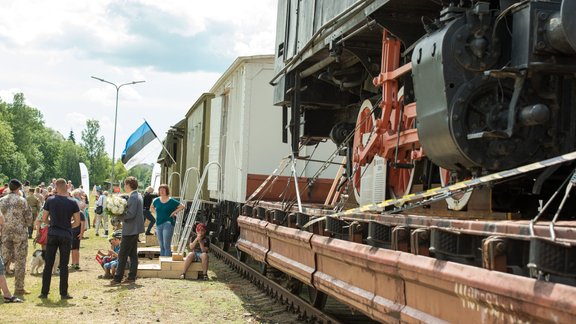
[(141, 147)]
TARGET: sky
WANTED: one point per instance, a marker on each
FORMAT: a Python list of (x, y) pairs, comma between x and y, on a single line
[(50, 49)]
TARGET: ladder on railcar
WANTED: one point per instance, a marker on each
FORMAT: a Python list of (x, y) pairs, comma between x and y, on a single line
[(188, 227), (180, 215)]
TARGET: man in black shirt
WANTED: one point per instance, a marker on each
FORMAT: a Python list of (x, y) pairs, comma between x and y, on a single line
[(149, 195), (63, 212)]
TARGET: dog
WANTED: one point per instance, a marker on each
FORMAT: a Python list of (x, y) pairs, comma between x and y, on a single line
[(38, 261)]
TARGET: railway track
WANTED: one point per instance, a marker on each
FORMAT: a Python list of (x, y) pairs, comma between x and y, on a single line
[(294, 304)]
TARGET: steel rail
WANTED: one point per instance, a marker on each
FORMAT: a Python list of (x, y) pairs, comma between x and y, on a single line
[(274, 289)]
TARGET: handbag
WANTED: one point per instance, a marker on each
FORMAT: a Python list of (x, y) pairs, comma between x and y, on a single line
[(43, 236), (98, 210)]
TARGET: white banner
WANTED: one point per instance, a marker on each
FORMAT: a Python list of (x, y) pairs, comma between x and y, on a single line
[(155, 178), (84, 177)]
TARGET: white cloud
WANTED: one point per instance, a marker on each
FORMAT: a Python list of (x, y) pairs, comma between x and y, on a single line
[(49, 50)]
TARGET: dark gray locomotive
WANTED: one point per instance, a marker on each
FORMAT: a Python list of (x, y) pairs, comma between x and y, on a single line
[(492, 82)]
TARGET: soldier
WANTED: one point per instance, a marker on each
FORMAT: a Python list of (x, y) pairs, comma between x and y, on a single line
[(17, 216), (35, 206)]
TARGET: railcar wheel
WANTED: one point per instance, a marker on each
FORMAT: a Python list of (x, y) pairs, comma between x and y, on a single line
[(399, 180), (241, 255), (457, 201), (293, 285), (226, 227), (362, 134), (317, 298), (262, 268)]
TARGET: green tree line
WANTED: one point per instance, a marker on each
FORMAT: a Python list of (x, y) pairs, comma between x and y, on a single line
[(29, 150)]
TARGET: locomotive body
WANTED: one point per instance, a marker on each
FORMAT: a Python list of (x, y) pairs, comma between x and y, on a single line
[(456, 91)]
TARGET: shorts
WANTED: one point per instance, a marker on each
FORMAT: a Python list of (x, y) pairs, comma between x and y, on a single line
[(109, 265), (197, 256), (75, 240), (2, 269)]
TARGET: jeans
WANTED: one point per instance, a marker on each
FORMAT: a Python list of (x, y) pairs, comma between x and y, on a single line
[(56, 243), (128, 249), (148, 216), (164, 232)]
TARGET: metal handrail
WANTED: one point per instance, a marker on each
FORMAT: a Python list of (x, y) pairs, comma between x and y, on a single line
[(180, 215), (192, 213)]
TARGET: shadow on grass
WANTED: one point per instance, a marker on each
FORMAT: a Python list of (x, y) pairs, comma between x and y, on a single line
[(122, 287), (54, 304)]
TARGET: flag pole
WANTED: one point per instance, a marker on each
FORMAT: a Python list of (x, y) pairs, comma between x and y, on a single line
[(164, 147)]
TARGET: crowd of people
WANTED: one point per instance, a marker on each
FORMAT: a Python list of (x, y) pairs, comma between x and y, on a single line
[(59, 214)]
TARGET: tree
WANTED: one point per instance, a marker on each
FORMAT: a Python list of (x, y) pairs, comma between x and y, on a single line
[(143, 173), (30, 150), (12, 163), (120, 172), (25, 123), (72, 155), (93, 144), (51, 143)]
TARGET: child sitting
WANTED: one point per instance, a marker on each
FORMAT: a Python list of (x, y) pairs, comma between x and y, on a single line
[(109, 261), (198, 252)]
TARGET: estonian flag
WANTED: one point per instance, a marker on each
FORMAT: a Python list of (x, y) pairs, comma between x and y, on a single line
[(140, 146)]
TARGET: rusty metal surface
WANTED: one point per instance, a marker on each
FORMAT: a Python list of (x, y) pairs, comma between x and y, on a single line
[(347, 271), (460, 293), (520, 229), (290, 251), (253, 238), (392, 286)]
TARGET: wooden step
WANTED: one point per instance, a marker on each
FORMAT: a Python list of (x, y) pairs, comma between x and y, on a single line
[(148, 240), (149, 252), (168, 269)]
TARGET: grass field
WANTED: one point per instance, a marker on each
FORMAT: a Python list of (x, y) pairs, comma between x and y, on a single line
[(148, 301)]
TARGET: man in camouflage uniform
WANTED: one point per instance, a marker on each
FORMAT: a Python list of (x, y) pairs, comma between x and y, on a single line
[(17, 217), (35, 206)]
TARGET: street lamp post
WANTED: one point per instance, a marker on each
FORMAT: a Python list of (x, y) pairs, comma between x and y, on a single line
[(115, 117)]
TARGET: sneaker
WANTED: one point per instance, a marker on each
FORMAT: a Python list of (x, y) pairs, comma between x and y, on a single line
[(66, 297), (105, 233), (113, 282), (205, 277), (77, 267), (43, 296), (97, 234), (12, 299)]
